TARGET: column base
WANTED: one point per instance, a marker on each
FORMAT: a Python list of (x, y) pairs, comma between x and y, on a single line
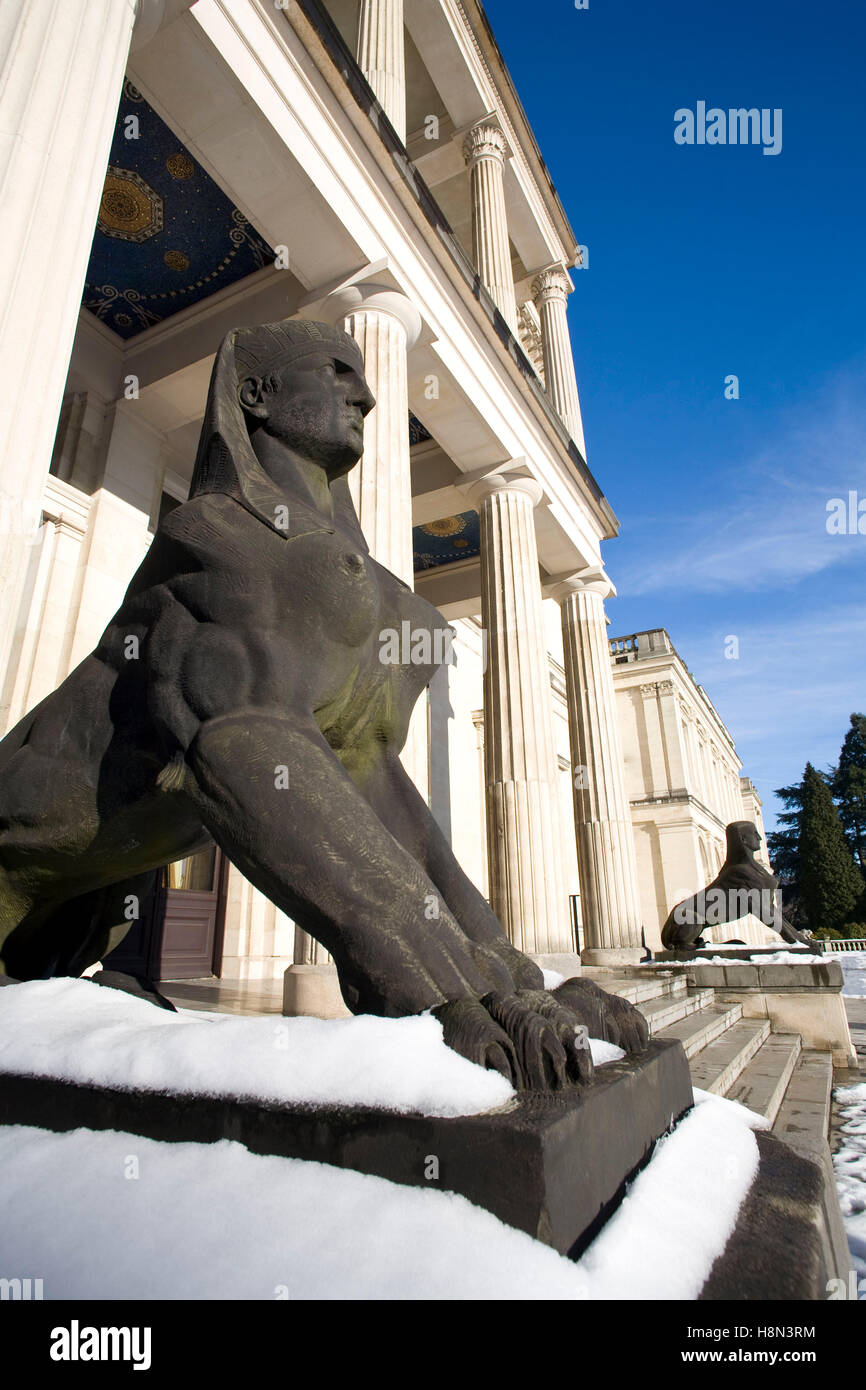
[(565, 963), (313, 991), (621, 955)]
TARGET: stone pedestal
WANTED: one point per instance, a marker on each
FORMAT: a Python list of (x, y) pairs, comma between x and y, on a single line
[(609, 897), (381, 57), (553, 1166), (527, 891), (484, 149), (61, 72), (796, 997), (550, 290)]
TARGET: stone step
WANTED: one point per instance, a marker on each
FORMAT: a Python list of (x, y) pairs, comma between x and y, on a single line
[(662, 1012), (698, 1030), (642, 991), (762, 1084), (718, 1066), (804, 1115)]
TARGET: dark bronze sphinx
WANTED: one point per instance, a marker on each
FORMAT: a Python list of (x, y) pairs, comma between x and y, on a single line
[(238, 696), (742, 886)]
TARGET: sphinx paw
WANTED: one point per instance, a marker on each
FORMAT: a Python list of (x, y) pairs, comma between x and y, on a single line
[(606, 1016)]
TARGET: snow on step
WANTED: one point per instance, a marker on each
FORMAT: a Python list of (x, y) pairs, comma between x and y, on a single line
[(717, 1067), (805, 1109), (663, 1012), (761, 1086), (697, 1030)]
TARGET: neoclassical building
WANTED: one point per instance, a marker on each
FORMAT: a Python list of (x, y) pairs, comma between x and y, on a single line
[(173, 170)]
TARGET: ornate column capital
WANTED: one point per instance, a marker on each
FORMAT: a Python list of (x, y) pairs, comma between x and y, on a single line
[(366, 295), (504, 482), (484, 141), (153, 15), (592, 580), (552, 284)]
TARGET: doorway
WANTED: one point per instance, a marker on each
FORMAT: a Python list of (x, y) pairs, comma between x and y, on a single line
[(179, 934)]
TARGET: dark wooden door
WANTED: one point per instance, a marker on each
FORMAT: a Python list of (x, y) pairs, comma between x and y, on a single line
[(138, 952), (191, 926), (178, 935)]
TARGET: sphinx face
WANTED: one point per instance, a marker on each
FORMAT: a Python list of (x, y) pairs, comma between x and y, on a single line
[(750, 837), (316, 407)]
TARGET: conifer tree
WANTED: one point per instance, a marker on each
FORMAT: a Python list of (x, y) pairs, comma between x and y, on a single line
[(783, 848), (831, 887), (849, 789)]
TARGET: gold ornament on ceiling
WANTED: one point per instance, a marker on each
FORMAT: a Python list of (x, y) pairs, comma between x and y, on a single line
[(130, 209), (176, 260), (180, 166), (446, 526)]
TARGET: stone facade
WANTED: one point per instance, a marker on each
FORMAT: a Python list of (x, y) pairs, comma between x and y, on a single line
[(464, 329), (683, 780)]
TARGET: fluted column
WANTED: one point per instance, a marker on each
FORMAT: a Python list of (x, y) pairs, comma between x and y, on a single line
[(551, 289), (527, 889), (609, 896), (484, 150), (385, 325), (381, 485), (381, 57), (61, 71)]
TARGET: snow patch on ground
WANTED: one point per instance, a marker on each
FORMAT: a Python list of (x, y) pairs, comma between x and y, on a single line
[(81, 1032), (849, 1163), (853, 965), (771, 958), (788, 958), (109, 1215)]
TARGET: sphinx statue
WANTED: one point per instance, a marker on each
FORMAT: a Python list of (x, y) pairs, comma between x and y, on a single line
[(742, 886), (239, 696)]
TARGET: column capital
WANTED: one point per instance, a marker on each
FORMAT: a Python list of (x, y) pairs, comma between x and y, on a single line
[(484, 141), (655, 689), (504, 482), (153, 15), (367, 295), (554, 283), (592, 580)]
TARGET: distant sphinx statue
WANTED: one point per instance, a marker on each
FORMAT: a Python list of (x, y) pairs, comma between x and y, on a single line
[(742, 886), (240, 695)]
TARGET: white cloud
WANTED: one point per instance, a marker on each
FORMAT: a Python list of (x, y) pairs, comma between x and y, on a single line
[(788, 697), (766, 526)]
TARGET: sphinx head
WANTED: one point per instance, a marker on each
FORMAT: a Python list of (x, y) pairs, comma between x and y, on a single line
[(302, 384), (742, 839)]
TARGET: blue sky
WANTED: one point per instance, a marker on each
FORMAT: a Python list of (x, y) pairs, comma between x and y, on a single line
[(706, 261)]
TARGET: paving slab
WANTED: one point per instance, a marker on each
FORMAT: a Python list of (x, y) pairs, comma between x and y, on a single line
[(761, 1086), (720, 1064)]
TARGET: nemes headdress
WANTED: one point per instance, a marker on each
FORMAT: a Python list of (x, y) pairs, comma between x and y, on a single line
[(226, 462)]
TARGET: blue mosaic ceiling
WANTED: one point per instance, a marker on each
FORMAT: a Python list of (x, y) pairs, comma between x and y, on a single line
[(167, 236), (446, 540)]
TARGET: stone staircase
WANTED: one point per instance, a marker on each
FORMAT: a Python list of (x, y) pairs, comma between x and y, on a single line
[(736, 1057)]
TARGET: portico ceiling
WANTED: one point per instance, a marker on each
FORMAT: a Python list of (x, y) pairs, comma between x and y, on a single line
[(167, 235)]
